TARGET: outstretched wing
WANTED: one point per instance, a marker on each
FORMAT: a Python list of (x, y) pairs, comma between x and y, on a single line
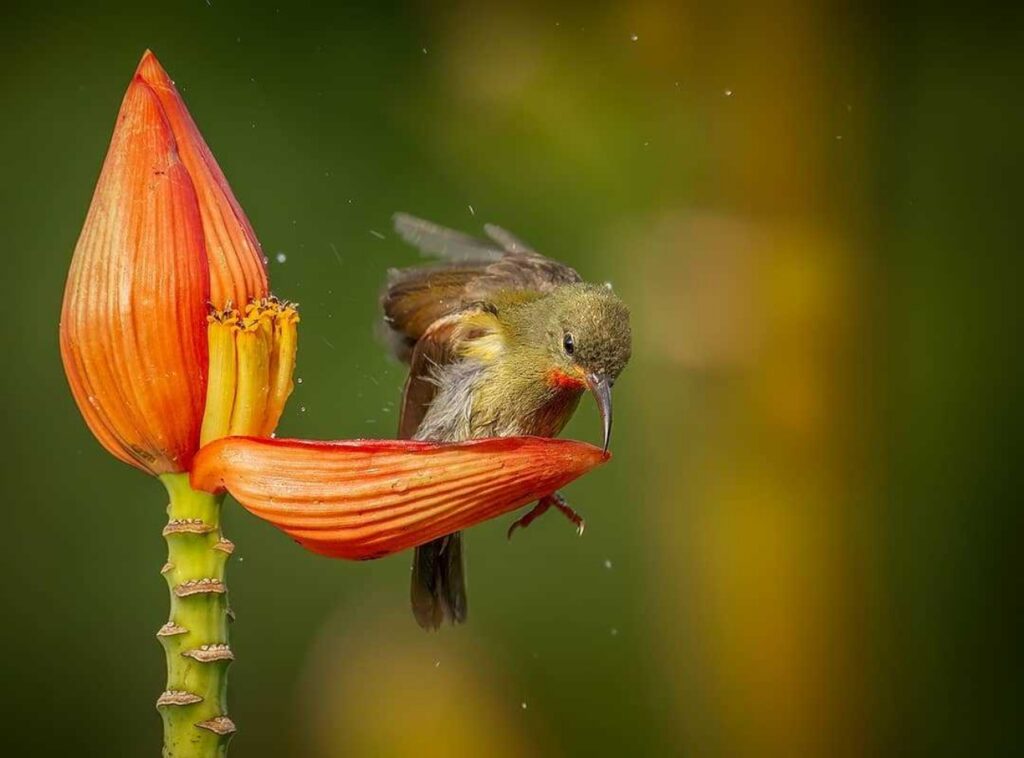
[(449, 244), (472, 272), (425, 307), (432, 239)]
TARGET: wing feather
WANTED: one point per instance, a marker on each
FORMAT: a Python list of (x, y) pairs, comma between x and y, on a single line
[(509, 242), (435, 348), (432, 239), (473, 272)]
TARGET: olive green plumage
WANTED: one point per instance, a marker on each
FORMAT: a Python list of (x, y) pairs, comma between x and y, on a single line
[(500, 341)]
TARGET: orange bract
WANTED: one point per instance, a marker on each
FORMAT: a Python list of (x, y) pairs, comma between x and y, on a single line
[(163, 238), (133, 325), (237, 273), (363, 499)]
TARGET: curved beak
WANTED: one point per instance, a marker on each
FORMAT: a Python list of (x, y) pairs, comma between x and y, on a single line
[(602, 389)]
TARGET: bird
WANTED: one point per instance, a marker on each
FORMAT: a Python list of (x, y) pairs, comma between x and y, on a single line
[(500, 341)]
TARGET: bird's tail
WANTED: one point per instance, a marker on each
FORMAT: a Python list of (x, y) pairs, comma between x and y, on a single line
[(439, 582)]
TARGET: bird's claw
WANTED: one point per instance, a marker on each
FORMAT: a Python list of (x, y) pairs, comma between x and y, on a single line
[(541, 508), (538, 510), (559, 502)]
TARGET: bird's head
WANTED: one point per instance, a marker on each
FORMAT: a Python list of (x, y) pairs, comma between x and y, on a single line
[(587, 341)]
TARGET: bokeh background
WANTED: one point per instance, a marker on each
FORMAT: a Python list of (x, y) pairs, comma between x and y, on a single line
[(803, 544)]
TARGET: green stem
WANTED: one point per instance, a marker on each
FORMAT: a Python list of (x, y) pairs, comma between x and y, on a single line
[(195, 639)]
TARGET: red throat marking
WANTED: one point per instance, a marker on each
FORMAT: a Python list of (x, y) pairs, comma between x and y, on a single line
[(563, 381)]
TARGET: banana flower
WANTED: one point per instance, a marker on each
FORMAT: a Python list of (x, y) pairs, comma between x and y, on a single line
[(181, 361)]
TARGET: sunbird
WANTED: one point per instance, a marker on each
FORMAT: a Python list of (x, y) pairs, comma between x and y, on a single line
[(500, 341)]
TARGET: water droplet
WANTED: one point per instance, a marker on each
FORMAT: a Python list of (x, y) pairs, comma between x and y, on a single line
[(471, 211), (634, 37), (281, 257), (607, 563), (839, 136), (437, 664), (377, 234), (424, 51), (728, 93), (615, 632), (523, 704), (299, 380), (302, 409)]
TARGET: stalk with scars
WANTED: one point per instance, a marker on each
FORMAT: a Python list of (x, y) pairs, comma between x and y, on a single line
[(501, 341)]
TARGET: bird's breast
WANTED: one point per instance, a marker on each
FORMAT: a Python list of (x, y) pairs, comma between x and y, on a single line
[(522, 408)]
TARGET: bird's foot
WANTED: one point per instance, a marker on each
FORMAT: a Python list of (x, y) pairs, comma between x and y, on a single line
[(559, 502), (538, 510), (542, 507)]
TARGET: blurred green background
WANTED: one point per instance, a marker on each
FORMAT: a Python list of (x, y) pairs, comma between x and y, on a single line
[(803, 544)]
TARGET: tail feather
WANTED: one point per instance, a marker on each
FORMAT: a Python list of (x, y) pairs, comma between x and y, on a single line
[(439, 582)]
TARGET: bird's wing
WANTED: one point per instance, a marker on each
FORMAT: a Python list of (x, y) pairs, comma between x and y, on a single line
[(448, 244), (473, 272), (452, 245), (509, 242), (435, 348), (448, 339)]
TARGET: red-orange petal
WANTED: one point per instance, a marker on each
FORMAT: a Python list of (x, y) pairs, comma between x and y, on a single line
[(360, 499), (133, 323), (237, 271)]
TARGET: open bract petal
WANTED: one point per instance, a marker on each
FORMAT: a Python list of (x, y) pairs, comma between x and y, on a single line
[(361, 499)]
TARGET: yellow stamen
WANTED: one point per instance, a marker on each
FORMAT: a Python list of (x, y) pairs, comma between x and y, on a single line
[(253, 378), (220, 387), (282, 365), (252, 358)]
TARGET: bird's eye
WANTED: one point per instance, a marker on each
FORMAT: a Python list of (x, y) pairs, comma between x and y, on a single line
[(569, 344)]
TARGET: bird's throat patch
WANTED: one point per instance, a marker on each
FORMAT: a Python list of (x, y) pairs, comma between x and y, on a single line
[(563, 381)]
